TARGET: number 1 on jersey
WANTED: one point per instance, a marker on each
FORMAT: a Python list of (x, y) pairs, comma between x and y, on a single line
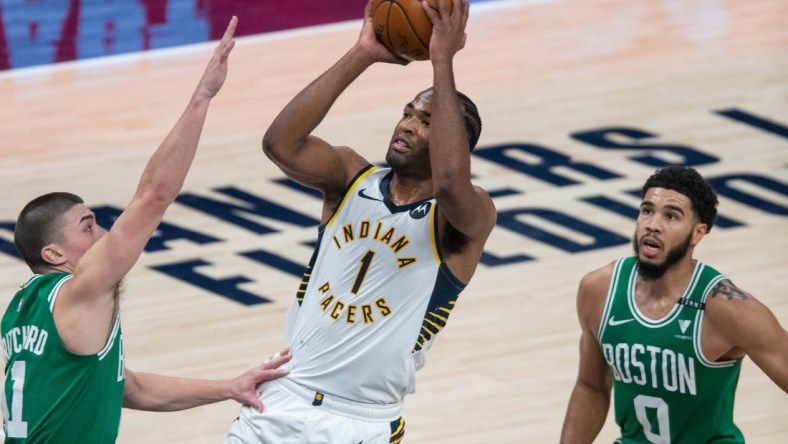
[(362, 271), (16, 427)]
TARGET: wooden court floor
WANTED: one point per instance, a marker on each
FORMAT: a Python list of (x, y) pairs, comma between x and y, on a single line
[(579, 100)]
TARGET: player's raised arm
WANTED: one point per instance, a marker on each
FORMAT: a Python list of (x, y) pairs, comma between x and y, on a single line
[(288, 141), (454, 130), (89, 295)]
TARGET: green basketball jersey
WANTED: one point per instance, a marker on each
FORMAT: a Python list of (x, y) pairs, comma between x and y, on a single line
[(50, 394), (665, 390)]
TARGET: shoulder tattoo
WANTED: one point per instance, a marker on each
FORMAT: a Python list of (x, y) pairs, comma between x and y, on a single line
[(730, 291)]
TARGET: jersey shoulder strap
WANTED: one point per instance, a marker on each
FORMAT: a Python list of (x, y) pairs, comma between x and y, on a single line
[(620, 282)]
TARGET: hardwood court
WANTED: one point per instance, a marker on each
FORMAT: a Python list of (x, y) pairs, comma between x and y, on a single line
[(709, 76)]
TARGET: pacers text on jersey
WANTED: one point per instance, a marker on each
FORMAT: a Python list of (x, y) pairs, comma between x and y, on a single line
[(352, 311)]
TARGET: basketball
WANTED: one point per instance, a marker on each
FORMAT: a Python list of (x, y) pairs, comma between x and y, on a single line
[(403, 27)]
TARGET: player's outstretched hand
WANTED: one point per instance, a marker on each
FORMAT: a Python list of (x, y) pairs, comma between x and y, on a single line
[(448, 29), (216, 71), (244, 387)]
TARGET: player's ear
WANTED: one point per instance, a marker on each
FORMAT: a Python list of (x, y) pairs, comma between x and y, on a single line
[(698, 231), (53, 254)]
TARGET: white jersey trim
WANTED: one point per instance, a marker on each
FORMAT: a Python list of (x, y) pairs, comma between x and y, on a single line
[(698, 329), (56, 290), (108, 346), (673, 313), (53, 297)]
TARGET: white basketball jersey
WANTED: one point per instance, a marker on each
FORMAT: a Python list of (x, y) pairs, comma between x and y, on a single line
[(373, 298)]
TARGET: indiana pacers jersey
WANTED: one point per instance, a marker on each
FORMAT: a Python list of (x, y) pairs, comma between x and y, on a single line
[(50, 394), (665, 389), (375, 294)]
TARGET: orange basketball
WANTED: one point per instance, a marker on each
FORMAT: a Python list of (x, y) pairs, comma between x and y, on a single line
[(403, 27)]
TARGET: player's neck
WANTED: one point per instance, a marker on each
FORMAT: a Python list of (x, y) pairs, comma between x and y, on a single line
[(671, 285), (405, 190), (63, 268)]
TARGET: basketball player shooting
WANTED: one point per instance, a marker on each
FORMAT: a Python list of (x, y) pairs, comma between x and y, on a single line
[(396, 247)]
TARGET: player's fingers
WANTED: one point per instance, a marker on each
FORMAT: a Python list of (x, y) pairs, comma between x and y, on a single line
[(402, 61), (368, 9), (444, 7), (263, 375), (255, 402), (228, 43), (285, 352), (276, 361), (230, 31), (269, 374), (451, 10), (229, 47), (431, 13)]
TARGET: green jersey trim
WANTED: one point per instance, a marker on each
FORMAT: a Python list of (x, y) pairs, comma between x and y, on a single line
[(674, 312)]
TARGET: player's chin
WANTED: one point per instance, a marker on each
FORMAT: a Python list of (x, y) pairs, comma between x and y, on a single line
[(394, 157), (651, 261)]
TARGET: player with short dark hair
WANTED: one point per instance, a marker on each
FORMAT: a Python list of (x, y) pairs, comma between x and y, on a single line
[(66, 377), (396, 247), (667, 332)]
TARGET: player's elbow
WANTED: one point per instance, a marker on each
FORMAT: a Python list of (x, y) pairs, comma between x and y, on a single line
[(157, 199), (271, 144), (281, 147)]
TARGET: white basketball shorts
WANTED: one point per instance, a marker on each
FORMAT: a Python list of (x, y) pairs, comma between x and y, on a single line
[(295, 414)]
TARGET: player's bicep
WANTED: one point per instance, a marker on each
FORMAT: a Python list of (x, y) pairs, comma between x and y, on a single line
[(591, 295), (594, 373), (763, 339), (772, 354), (749, 325)]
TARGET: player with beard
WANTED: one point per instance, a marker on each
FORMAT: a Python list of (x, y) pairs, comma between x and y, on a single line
[(667, 332), (396, 246)]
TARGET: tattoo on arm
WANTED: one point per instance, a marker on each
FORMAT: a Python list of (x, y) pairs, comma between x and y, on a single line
[(730, 291)]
